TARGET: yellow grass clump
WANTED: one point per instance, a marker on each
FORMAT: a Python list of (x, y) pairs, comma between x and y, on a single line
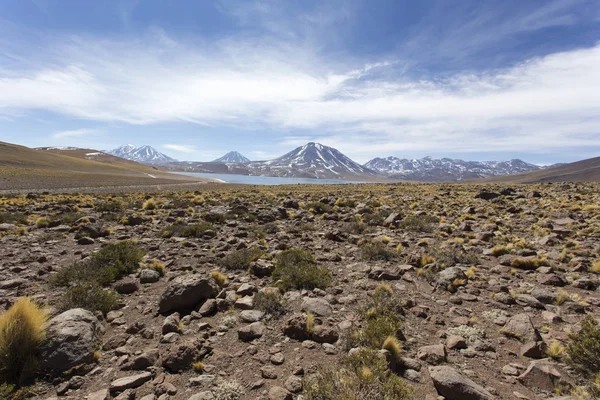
[(22, 330)]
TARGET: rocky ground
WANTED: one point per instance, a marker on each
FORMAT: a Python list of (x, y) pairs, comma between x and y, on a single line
[(488, 282)]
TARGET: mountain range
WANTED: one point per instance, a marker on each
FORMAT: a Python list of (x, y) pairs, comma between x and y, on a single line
[(315, 160), (142, 154), (446, 170)]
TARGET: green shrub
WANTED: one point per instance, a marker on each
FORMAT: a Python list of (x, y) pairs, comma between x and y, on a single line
[(297, 269), (269, 302), (17, 218), (450, 256), (584, 348), (361, 375), (377, 252), (103, 267), (108, 206), (419, 223), (11, 392), (241, 259), (91, 296), (188, 231), (22, 330)]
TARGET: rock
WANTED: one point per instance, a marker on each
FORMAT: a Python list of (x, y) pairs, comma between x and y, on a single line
[(149, 276), (454, 386), (293, 384), (551, 317), (102, 394), (143, 361), (246, 289), (208, 308), (487, 195), (84, 241), (385, 274), (114, 342), (180, 357), (448, 276), (541, 375), (324, 334), (13, 283), (268, 372), (187, 292), (251, 316), (130, 382), (206, 395), (126, 286), (7, 227), (434, 354), (456, 342), (250, 332), (245, 303), (534, 349), (71, 339), (279, 393), (550, 280), (317, 306), (521, 327), (529, 301), (392, 218), (295, 327), (171, 324)]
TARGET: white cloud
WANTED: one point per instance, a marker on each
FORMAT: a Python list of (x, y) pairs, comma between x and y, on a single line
[(182, 148), (74, 133), (541, 105)]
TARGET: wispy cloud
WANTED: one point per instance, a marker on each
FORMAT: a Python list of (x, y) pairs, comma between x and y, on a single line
[(181, 148), (364, 106), (74, 133)]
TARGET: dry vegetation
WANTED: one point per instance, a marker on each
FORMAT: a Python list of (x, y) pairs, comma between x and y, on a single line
[(330, 292)]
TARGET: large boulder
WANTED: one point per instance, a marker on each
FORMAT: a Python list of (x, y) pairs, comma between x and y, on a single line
[(187, 292), (454, 386), (521, 327), (71, 339)]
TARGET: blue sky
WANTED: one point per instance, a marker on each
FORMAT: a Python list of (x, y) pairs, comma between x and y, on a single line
[(472, 79)]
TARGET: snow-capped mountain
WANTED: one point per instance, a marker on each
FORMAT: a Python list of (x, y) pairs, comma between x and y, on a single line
[(446, 170), (143, 154), (316, 161), (313, 160), (232, 157)]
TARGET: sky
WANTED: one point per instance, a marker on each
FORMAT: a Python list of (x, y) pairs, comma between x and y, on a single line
[(470, 79)]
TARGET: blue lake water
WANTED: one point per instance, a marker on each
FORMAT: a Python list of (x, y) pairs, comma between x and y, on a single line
[(266, 180)]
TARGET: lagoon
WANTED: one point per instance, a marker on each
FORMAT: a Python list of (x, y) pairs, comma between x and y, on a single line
[(266, 180)]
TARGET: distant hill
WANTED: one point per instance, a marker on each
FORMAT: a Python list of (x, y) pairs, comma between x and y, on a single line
[(446, 169), (579, 171), (61, 167), (142, 154), (232, 157)]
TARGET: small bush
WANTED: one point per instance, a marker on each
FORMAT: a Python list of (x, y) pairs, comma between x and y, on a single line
[(528, 263), (91, 296), (584, 348), (16, 218), (219, 277), (241, 259), (188, 231), (155, 265), (108, 206), (595, 268), (228, 390), (11, 392), (555, 350), (198, 366), (310, 323), (392, 345), (269, 302), (149, 204), (362, 375), (22, 330), (377, 252), (419, 223), (450, 256), (498, 251), (297, 269), (42, 222)]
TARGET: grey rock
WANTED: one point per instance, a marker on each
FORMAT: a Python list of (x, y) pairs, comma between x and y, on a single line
[(317, 306), (187, 292), (454, 386), (130, 382), (71, 339)]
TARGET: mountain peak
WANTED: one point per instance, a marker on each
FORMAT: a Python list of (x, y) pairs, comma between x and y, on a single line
[(144, 154), (232, 157)]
